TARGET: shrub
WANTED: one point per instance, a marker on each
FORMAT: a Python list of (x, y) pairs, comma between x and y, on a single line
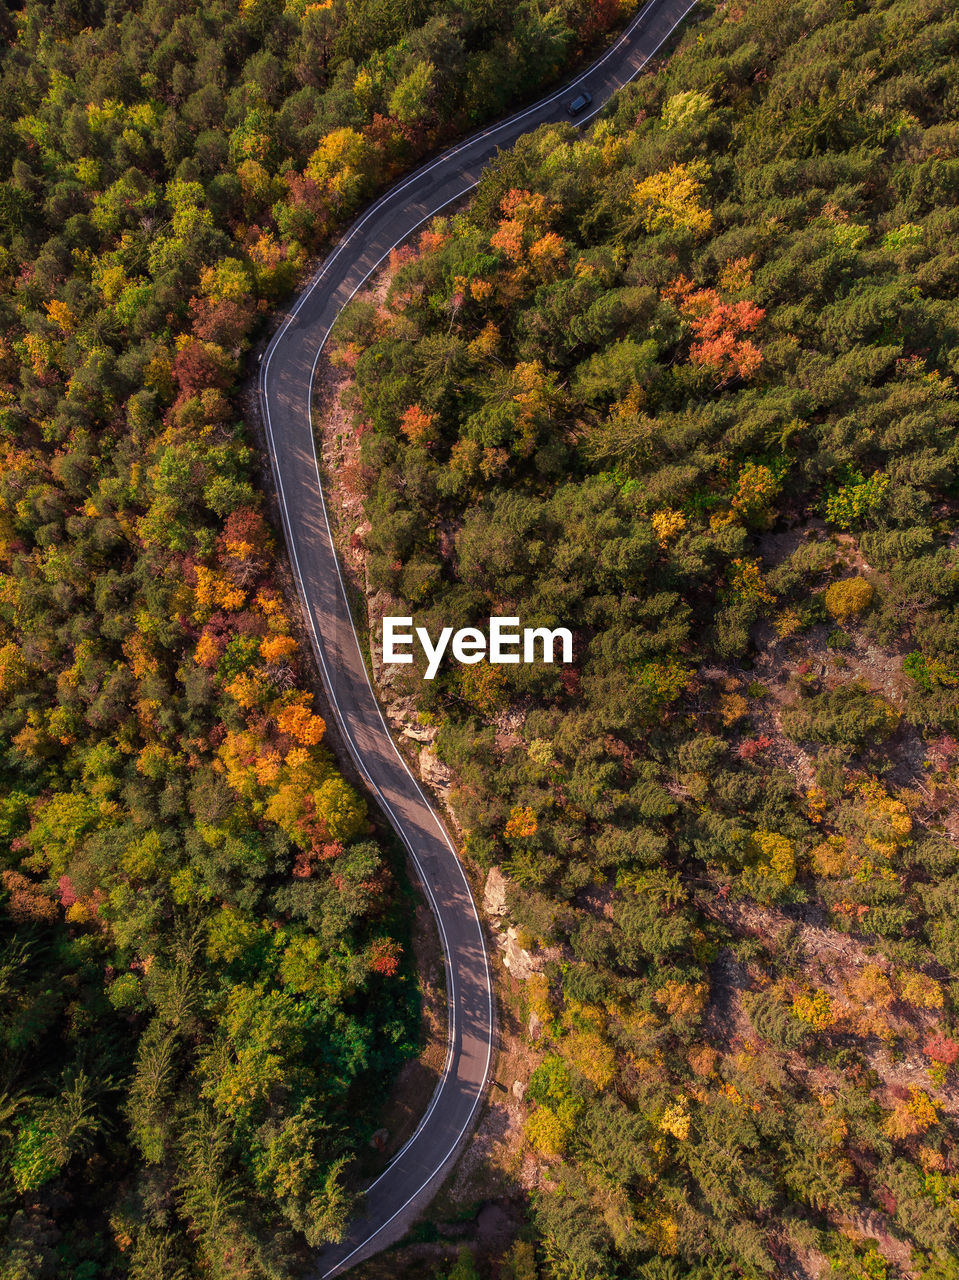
[(850, 504), (813, 1007), (850, 715), (838, 640), (848, 598)]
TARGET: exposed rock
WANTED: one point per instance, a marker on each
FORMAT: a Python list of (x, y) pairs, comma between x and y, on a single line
[(420, 732), (378, 1140), (382, 674), (433, 770), (534, 1026), (401, 710), (521, 963), (519, 1090), (494, 894)]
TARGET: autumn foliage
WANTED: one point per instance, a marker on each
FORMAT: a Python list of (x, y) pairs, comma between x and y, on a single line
[(694, 369), (719, 328)]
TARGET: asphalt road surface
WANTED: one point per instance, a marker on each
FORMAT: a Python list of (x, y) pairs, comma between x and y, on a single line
[(416, 1173)]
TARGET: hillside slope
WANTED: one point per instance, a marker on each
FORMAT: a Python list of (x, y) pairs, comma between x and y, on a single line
[(206, 979), (687, 385)]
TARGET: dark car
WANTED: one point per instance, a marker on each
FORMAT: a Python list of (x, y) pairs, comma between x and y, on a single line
[(580, 102)]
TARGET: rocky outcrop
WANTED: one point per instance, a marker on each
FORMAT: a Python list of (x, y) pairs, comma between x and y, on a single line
[(433, 770), (494, 895), (520, 962), (401, 712), (420, 732)]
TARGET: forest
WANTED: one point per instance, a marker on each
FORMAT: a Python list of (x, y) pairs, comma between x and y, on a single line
[(686, 383), (205, 977)]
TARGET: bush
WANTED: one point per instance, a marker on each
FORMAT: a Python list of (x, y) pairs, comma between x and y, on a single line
[(773, 1021), (849, 598), (838, 640), (850, 715)]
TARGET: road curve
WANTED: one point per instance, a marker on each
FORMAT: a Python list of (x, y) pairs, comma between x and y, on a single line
[(286, 377)]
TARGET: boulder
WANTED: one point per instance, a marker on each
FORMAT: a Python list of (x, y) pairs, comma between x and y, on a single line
[(400, 711), (420, 732), (494, 894), (433, 770), (520, 963)]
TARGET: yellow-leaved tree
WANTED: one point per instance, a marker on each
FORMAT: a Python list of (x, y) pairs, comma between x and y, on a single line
[(342, 165), (670, 201)]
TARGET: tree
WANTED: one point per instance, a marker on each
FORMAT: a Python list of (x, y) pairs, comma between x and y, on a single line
[(520, 1262), (410, 100), (340, 165), (464, 1268), (669, 201), (340, 808)]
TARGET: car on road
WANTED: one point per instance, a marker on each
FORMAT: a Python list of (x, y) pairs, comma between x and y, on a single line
[(579, 103)]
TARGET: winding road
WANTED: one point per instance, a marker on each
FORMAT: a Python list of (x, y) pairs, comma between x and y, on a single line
[(287, 371)]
